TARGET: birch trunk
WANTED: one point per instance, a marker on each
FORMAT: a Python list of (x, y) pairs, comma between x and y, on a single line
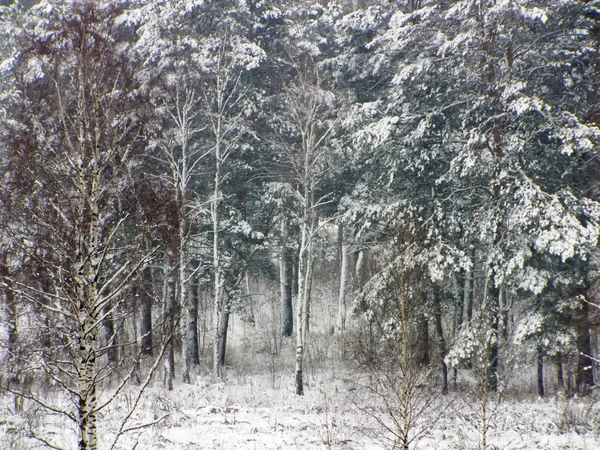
[(218, 283), (345, 250), (304, 280), (301, 311), (86, 296)]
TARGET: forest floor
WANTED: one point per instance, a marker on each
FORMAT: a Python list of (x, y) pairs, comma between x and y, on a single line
[(262, 412)]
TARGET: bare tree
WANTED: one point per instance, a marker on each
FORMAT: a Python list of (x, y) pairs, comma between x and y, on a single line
[(82, 127), (180, 153), (309, 115)]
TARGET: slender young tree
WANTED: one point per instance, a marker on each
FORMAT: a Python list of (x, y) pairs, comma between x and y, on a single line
[(309, 113)]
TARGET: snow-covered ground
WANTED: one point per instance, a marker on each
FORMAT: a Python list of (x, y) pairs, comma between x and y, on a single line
[(252, 412)]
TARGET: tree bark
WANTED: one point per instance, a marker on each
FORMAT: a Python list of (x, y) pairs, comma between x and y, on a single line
[(584, 376), (460, 287), (492, 343), (146, 312), (223, 329), (218, 281), (560, 379), (425, 359), (304, 281), (540, 371), (87, 263), (193, 351), (344, 254), (11, 305), (286, 274), (441, 342), (169, 301)]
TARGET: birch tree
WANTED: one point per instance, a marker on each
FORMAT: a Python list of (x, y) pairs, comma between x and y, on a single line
[(308, 124), (82, 130)]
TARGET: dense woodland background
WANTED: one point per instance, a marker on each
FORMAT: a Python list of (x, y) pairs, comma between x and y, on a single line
[(407, 187)]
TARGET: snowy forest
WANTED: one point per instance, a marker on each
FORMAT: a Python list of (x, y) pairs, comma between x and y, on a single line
[(273, 224)]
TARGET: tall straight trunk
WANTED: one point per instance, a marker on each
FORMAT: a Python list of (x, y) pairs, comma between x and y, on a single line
[(11, 304), (493, 353), (584, 376), (540, 371), (169, 301), (218, 281), (286, 274), (146, 312), (441, 342), (223, 328), (300, 312), (308, 291), (304, 281), (295, 264), (86, 269), (183, 298), (344, 254), (461, 296), (560, 378), (193, 352), (424, 340), (506, 308), (205, 304), (407, 363)]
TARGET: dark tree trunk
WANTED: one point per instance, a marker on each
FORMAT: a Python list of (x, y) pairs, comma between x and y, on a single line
[(493, 353), (286, 280), (506, 308), (584, 377), (540, 371), (461, 288), (170, 299), (223, 328), (287, 309), (441, 343), (424, 340), (193, 351), (146, 292), (560, 378)]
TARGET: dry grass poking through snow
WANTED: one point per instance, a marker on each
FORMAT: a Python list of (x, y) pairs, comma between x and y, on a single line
[(248, 413)]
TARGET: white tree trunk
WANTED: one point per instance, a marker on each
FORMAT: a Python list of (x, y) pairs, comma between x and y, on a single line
[(341, 317)]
